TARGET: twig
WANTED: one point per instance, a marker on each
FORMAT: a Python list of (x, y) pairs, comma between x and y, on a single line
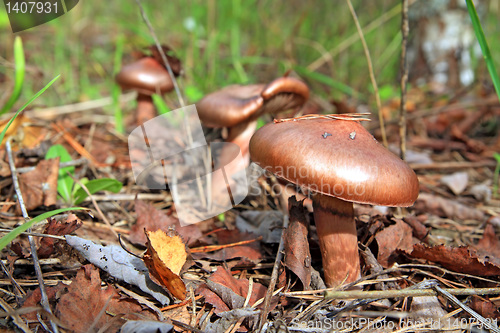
[(35, 234), (359, 294), (57, 111), (453, 165), (454, 300), (274, 276), (15, 316), (343, 116), (210, 248), (76, 162), (404, 78), (372, 75), (44, 300)]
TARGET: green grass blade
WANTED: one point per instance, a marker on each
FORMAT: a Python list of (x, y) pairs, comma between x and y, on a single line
[(64, 181), (96, 185), (476, 24), (20, 63), (5, 240), (328, 81), (26, 105)]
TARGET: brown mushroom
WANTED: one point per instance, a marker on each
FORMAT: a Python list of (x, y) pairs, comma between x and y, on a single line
[(148, 76), (237, 107), (340, 162)]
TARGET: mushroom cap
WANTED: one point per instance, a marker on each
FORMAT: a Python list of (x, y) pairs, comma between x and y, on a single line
[(339, 158), (146, 76), (236, 104)]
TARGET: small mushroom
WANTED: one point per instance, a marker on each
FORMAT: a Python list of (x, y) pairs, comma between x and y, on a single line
[(340, 169), (147, 76), (237, 107)]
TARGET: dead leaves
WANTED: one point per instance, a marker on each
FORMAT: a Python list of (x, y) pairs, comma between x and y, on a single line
[(297, 255), (39, 186), (165, 256), (225, 292), (150, 218), (87, 306), (458, 259), (396, 236)]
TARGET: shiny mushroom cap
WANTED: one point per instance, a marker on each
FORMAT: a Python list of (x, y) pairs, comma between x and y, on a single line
[(146, 76), (339, 158), (236, 104)]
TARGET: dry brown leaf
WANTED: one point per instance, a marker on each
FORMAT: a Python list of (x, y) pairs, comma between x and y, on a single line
[(489, 245), (80, 308), (440, 206), (57, 228), (165, 256), (39, 186), (458, 259), (34, 297), (395, 237), (222, 286), (248, 252), (297, 255), (484, 307), (150, 218)]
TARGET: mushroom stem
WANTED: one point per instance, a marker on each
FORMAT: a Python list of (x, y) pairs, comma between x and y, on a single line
[(338, 239), (145, 109)]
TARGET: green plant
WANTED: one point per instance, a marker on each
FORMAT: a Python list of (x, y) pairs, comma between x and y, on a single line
[(20, 64), (485, 49), (71, 192), (495, 175), (6, 239)]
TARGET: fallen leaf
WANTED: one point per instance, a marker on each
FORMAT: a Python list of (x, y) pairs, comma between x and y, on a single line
[(34, 297), (489, 245), (231, 291), (150, 218), (248, 252), (439, 206), (458, 259), (39, 186), (297, 255), (82, 307), (57, 228), (484, 307), (456, 182), (165, 256), (120, 264), (145, 326), (395, 237), (419, 230)]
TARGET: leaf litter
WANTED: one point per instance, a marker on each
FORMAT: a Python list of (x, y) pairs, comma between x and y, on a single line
[(450, 235)]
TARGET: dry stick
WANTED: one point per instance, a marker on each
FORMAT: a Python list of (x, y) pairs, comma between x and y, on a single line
[(211, 248), (404, 78), (274, 276), (359, 294), (372, 75), (44, 300), (444, 292)]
